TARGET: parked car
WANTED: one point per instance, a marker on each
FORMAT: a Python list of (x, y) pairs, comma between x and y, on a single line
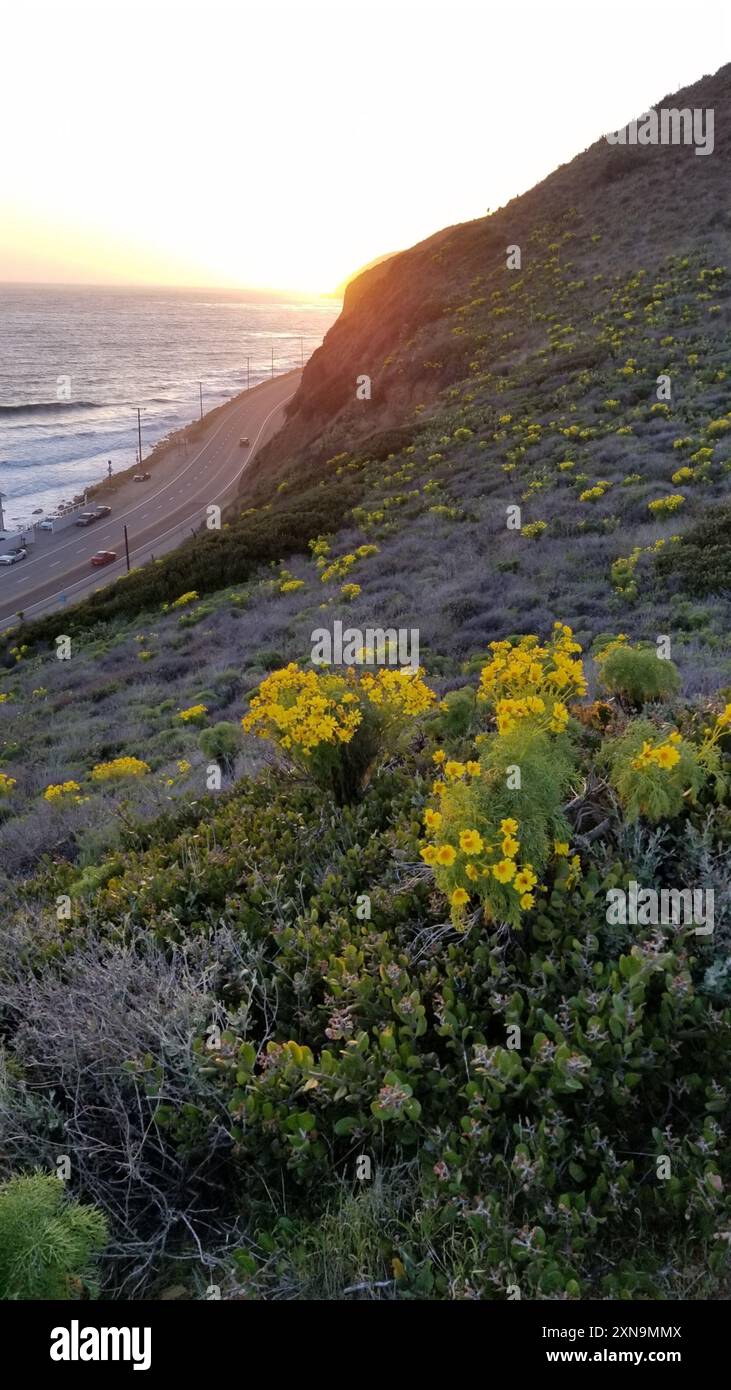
[(104, 557), (86, 519), (244, 442), (46, 525), (103, 511), (141, 477), (13, 557)]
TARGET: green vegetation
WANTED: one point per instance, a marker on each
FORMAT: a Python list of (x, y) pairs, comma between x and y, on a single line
[(48, 1243)]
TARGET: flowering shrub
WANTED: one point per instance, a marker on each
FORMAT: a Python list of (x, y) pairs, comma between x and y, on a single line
[(185, 599), (652, 772), (336, 725), (6, 784), (592, 494), (118, 769), (61, 791), (195, 714), (533, 529), (490, 840), (665, 505), (525, 670), (491, 834)]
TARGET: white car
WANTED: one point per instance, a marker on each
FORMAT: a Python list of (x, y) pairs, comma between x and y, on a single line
[(13, 556), (45, 525)]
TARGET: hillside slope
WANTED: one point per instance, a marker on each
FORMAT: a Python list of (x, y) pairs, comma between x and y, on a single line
[(646, 203)]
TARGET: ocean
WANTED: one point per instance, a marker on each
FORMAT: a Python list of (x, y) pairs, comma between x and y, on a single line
[(77, 361)]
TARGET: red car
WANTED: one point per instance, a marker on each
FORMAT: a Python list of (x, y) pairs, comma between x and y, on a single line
[(104, 557)]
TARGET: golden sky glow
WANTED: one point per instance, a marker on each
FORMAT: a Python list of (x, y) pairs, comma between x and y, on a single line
[(283, 144)]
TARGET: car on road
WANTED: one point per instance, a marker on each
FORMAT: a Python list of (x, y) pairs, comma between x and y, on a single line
[(13, 557), (141, 477), (86, 519), (104, 557), (103, 511), (244, 442), (46, 525)]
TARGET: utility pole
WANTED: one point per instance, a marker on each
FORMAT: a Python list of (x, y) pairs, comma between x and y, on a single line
[(126, 547), (200, 388), (2, 516), (139, 433)]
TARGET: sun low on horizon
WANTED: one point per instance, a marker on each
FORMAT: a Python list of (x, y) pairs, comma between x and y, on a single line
[(283, 146)]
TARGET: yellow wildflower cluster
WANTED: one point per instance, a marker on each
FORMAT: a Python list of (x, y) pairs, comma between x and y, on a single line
[(287, 583), (185, 599), (478, 857), (398, 692), (508, 712), (6, 784), (300, 710), (666, 504), (527, 680), (118, 769), (193, 715), (58, 790), (664, 754), (339, 568)]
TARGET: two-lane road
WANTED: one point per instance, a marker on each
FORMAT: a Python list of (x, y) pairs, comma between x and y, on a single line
[(159, 514)]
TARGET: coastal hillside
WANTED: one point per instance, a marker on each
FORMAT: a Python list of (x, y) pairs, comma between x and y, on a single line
[(372, 981)]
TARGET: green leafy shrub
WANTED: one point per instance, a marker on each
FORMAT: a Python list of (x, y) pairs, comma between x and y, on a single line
[(48, 1243), (636, 675), (222, 742), (652, 772)]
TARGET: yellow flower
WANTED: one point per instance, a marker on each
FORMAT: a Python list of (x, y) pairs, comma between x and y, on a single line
[(560, 847), (454, 770), (439, 788), (509, 826), (459, 897), (474, 768), (525, 880), (439, 756), (432, 819), (117, 768), (429, 854), (471, 842), (471, 872), (193, 714), (503, 871), (527, 901), (666, 756), (446, 854), (510, 846)]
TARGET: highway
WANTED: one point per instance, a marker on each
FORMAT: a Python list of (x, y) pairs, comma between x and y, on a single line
[(159, 514)]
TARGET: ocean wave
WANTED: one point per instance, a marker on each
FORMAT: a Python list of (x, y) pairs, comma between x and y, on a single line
[(45, 407)]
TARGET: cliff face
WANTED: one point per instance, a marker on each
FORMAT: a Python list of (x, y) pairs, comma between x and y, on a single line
[(640, 203)]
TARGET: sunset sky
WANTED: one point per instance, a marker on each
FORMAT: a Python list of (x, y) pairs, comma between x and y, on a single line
[(284, 144)]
